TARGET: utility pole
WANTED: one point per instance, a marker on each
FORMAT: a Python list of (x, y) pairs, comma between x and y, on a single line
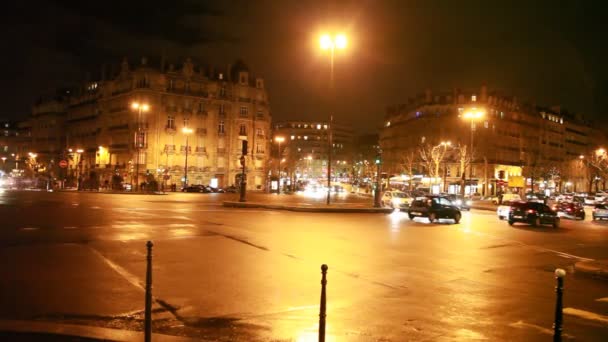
[(243, 174)]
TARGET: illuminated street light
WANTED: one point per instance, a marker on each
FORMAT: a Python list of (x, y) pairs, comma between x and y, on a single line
[(140, 107), (329, 42), (600, 151), (279, 140), (472, 115)]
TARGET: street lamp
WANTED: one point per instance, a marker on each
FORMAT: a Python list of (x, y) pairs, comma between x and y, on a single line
[(140, 108), (279, 140), (472, 115), (328, 42), (187, 131)]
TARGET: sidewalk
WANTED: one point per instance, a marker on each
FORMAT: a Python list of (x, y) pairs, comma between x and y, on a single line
[(595, 268), (334, 208), (72, 332)]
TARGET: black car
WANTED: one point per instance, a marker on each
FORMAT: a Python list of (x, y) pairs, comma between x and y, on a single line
[(460, 201), (434, 208), (533, 213), (196, 188), (570, 210)]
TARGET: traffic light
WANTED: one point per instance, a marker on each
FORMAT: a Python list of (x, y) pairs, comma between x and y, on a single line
[(378, 160)]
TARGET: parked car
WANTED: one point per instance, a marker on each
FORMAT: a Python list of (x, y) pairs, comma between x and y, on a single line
[(504, 209), (600, 197), (571, 210), (396, 199), (590, 200), (232, 189), (194, 188), (506, 198), (533, 213), (538, 198), (460, 201), (600, 211), (434, 208)]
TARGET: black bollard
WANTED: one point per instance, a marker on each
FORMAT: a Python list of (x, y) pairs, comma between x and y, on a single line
[(559, 290), (148, 310), (323, 309)]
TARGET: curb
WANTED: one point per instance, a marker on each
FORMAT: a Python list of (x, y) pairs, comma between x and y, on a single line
[(596, 269), (232, 204), (83, 331)]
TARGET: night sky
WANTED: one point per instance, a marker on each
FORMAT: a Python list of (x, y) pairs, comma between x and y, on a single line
[(548, 52)]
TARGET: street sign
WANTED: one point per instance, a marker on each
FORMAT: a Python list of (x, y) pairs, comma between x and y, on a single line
[(63, 163)]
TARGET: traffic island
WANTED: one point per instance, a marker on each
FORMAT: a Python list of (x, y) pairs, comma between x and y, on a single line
[(594, 268), (309, 209)]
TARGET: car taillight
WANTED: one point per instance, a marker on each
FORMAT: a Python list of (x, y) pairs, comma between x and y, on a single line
[(531, 211), (569, 209)]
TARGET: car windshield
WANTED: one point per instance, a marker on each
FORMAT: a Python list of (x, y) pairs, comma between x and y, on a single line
[(399, 194)]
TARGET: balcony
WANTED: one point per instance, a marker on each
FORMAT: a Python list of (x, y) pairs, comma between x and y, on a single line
[(143, 146), (169, 149), (221, 150), (201, 150), (182, 149), (201, 131), (170, 130), (202, 112), (118, 127), (244, 99)]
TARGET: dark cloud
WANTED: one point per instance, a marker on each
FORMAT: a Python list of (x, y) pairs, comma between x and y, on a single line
[(544, 51)]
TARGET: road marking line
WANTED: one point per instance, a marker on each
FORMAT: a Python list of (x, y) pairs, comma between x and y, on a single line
[(29, 228), (70, 227), (95, 207), (592, 316), (543, 330), (605, 299), (121, 271)]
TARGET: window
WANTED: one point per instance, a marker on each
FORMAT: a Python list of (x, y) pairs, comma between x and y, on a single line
[(170, 121), (259, 132), (259, 148), (220, 127), (222, 110), (201, 107), (259, 115), (221, 76), (474, 98), (244, 111), (293, 137), (485, 124), (242, 79), (242, 129), (140, 139), (223, 91), (186, 122), (171, 84)]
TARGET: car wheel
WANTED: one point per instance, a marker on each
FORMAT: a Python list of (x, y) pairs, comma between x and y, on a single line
[(432, 217), (556, 223), (511, 223), (536, 222), (593, 218), (583, 217), (412, 217), (457, 218), (501, 218)]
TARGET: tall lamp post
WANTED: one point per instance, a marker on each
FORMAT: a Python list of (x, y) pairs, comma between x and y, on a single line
[(472, 115), (140, 108), (279, 140), (331, 43), (187, 131)]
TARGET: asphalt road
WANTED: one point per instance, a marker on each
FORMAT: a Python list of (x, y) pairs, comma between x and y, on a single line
[(253, 275)]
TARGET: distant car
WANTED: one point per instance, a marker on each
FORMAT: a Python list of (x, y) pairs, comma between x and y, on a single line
[(535, 198), (396, 199), (535, 214), (600, 197), (570, 210), (600, 211), (589, 200), (460, 201), (506, 198), (434, 208), (232, 189), (504, 209), (194, 188)]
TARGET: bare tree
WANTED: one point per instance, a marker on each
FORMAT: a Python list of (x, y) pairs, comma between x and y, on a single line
[(432, 157)]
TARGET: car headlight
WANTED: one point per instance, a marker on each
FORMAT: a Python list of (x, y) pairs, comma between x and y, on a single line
[(396, 201), (458, 202), (469, 202)]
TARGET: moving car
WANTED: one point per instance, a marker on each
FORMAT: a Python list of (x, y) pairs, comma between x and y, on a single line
[(396, 199), (460, 201), (570, 210), (533, 213), (506, 198), (195, 188), (434, 208), (600, 211), (504, 209)]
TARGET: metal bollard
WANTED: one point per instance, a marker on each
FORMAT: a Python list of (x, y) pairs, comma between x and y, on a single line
[(559, 290), (148, 309), (323, 309)]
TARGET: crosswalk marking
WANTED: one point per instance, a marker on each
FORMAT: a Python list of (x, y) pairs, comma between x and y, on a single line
[(605, 299), (592, 316)]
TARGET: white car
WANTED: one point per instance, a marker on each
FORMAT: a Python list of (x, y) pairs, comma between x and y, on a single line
[(504, 209), (396, 199), (507, 198)]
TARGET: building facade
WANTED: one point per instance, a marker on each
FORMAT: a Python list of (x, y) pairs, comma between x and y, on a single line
[(147, 122), (510, 141), (305, 149)]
